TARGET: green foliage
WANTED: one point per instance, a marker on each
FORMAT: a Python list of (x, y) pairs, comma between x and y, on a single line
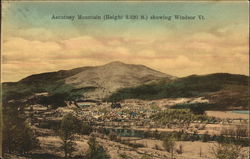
[(183, 87), (70, 92), (156, 134), (195, 108), (155, 107), (169, 143), (50, 124), (103, 110), (95, 150), (69, 126), (127, 111), (238, 131), (227, 151), (112, 136), (134, 145), (68, 148), (205, 137), (59, 94), (85, 129), (55, 100), (10, 95), (17, 135), (57, 90), (179, 117), (46, 82)]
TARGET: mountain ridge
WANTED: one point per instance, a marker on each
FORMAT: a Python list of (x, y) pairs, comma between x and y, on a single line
[(79, 69), (105, 79), (225, 91), (116, 81)]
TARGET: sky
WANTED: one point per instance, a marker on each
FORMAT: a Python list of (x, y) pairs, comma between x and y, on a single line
[(32, 42)]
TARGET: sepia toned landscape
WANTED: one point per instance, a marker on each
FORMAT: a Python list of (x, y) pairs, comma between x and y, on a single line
[(125, 111), (124, 80)]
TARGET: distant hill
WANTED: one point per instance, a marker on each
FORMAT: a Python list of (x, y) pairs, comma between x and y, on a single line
[(113, 76), (93, 82), (225, 91), (116, 81)]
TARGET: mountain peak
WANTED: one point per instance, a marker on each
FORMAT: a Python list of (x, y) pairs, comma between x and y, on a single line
[(104, 79), (112, 76), (116, 63)]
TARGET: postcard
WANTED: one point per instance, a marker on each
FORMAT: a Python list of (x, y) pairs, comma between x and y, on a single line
[(124, 80)]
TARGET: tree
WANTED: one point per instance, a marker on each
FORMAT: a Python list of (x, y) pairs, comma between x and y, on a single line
[(85, 129), (55, 100), (227, 151), (169, 145), (27, 140), (95, 150), (17, 135), (180, 150), (112, 136), (197, 109), (67, 129), (205, 137)]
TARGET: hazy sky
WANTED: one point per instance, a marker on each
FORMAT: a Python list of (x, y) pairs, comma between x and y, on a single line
[(33, 43)]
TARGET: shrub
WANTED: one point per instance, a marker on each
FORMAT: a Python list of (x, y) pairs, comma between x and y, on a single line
[(86, 129), (237, 132), (103, 110), (155, 107), (95, 150), (169, 145), (227, 151), (197, 109), (205, 137), (135, 145), (112, 136), (180, 150)]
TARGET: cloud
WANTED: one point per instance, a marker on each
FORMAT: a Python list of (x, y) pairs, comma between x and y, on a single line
[(19, 49), (200, 53), (83, 43), (36, 33)]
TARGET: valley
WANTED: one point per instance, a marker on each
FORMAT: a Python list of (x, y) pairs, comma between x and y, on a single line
[(111, 111)]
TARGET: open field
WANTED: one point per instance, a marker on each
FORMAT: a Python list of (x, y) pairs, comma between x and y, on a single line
[(136, 133), (227, 115), (150, 147)]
